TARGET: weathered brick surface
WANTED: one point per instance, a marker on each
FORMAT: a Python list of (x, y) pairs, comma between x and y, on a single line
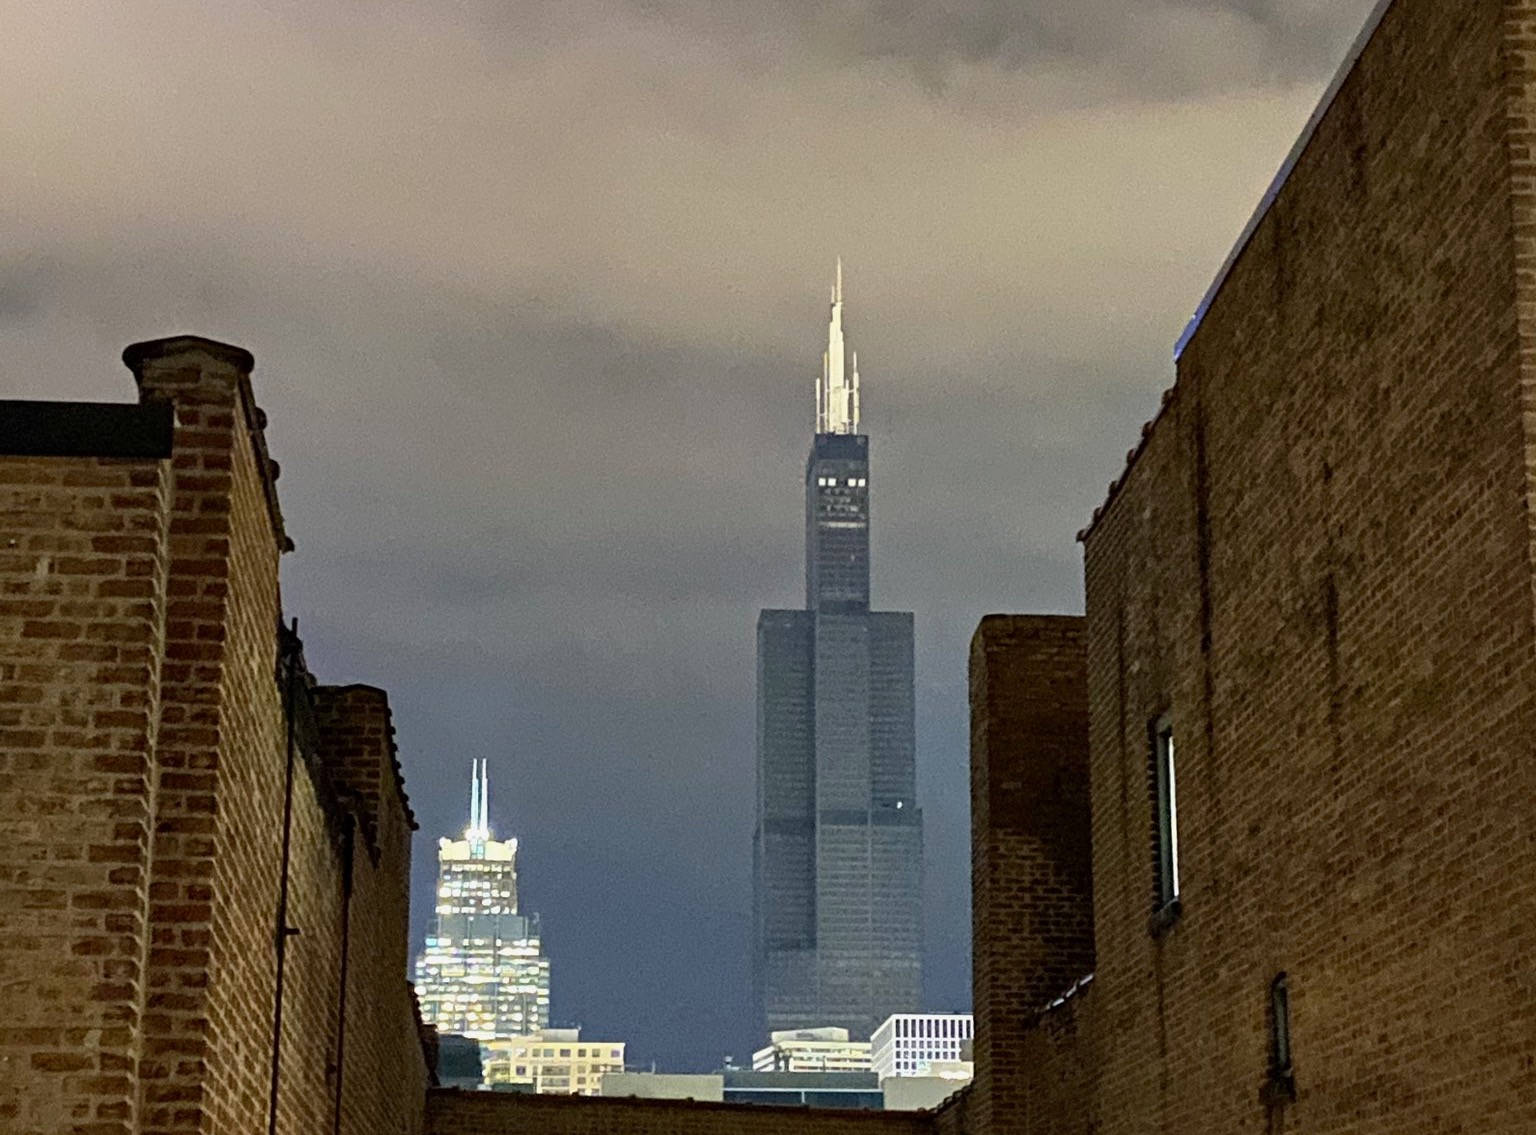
[(143, 762), (82, 620), (383, 1065), (455, 1112), (215, 864), (1031, 874), (1320, 565)]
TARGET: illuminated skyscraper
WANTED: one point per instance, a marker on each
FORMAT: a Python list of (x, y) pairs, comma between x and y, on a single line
[(483, 973), (837, 856)]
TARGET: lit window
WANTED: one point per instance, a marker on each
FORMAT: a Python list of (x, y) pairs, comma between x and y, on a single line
[(1166, 794)]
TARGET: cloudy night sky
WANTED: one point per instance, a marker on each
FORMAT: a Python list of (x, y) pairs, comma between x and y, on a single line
[(537, 293)]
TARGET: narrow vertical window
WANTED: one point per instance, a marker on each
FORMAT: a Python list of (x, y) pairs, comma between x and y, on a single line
[(1166, 790), (1282, 1078)]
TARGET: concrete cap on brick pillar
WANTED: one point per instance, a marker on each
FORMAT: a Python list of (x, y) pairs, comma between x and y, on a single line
[(189, 371), (141, 356)]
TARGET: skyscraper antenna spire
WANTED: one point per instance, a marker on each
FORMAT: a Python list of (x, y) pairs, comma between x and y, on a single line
[(479, 801), (837, 393)]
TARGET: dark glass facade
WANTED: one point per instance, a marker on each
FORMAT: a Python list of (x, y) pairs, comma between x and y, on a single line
[(838, 843)]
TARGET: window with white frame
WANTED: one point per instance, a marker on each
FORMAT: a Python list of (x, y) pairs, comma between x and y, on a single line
[(1165, 788)]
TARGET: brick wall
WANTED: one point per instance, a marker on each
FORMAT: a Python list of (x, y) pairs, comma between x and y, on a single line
[(383, 1065), (1320, 564), (1031, 879), (455, 1112), (82, 620), (145, 771)]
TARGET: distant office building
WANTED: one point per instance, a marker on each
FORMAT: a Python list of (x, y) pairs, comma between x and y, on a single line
[(552, 1062), (837, 854), (483, 973), (910, 1044), (812, 1050), (804, 1089)]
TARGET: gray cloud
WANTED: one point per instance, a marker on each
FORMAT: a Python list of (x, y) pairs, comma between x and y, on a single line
[(536, 292)]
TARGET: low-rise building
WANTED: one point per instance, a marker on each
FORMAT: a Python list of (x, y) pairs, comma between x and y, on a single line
[(553, 1062), (826, 1049), (908, 1044), (926, 1093), (859, 1090), (663, 1086)]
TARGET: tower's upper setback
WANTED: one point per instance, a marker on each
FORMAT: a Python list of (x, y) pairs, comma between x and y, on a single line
[(837, 483)]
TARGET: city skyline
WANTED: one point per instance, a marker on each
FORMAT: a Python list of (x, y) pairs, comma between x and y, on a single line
[(537, 303)]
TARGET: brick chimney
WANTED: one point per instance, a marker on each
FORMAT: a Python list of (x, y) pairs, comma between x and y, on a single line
[(1031, 853)]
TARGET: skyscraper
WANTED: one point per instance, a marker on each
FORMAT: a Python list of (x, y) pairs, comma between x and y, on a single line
[(837, 856), (483, 973)]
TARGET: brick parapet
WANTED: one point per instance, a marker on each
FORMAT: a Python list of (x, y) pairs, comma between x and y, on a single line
[(82, 624), (360, 754), (188, 370), (1031, 877), (451, 1111), (220, 737)]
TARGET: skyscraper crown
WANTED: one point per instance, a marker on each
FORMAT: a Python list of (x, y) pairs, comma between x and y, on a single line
[(837, 391)]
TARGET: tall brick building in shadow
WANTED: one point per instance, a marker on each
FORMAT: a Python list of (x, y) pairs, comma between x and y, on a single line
[(1254, 840)]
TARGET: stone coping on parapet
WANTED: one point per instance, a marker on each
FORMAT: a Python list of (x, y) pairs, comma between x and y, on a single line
[(137, 355)]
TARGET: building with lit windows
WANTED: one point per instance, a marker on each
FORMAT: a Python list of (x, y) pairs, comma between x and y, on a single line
[(910, 1044), (812, 1050), (552, 1062), (483, 973)]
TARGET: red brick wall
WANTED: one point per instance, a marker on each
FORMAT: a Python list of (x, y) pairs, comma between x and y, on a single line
[(1031, 878), (1321, 564), (383, 1063), (215, 863), (456, 1112), (144, 762), (82, 619)]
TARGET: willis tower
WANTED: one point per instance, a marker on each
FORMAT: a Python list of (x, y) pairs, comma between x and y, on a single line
[(837, 852)]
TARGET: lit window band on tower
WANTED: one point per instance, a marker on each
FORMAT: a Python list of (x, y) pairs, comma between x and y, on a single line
[(483, 973)]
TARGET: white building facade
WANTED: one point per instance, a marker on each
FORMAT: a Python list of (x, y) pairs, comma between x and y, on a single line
[(554, 1061), (825, 1049), (910, 1044), (483, 973)]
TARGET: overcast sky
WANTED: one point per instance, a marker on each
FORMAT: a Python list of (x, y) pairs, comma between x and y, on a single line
[(537, 295)]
